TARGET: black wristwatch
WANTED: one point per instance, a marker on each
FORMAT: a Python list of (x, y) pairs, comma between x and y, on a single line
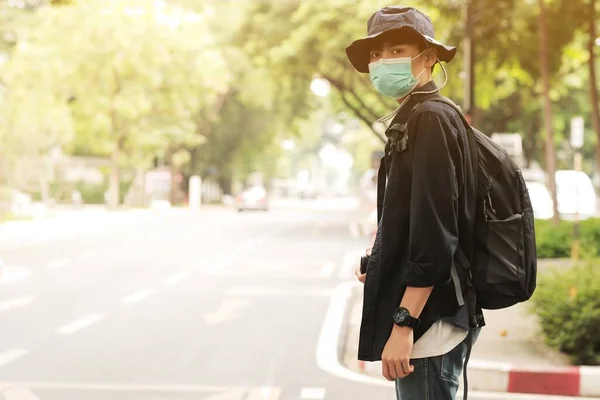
[(402, 317)]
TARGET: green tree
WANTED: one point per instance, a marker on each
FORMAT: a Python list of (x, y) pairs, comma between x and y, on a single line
[(138, 73)]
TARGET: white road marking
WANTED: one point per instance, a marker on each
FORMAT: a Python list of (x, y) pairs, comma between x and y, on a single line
[(225, 312), (231, 395), (264, 393), (137, 296), (174, 279), (312, 393), (309, 393), (327, 347), (589, 378), (11, 355), (80, 324), (9, 274), (109, 387), (19, 394), (63, 262), (349, 263), (266, 291), (327, 269), (264, 273), (16, 303)]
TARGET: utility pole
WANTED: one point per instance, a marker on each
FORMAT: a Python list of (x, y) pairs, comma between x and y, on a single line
[(469, 62), (577, 137), (594, 98)]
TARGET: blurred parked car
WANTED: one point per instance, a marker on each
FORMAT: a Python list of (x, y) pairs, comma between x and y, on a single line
[(541, 200), (574, 192), (254, 198)]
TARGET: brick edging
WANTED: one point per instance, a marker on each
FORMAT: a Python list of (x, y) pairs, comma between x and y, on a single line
[(511, 378)]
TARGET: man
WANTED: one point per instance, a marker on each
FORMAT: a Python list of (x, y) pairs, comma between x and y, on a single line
[(413, 318)]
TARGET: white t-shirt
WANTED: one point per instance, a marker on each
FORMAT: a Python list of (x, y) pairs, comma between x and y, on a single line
[(438, 340)]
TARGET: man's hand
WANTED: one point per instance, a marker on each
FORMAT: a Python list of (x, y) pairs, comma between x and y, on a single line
[(395, 359), (359, 275)]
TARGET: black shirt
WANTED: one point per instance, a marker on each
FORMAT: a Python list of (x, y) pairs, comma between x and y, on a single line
[(427, 211)]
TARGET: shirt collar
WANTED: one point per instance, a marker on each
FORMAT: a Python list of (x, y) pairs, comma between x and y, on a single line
[(412, 101)]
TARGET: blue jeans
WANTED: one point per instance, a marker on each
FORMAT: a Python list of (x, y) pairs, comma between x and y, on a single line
[(435, 378)]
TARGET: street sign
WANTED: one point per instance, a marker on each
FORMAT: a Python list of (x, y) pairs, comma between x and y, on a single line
[(577, 132)]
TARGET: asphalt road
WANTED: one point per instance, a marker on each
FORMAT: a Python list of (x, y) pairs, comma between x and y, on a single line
[(215, 305)]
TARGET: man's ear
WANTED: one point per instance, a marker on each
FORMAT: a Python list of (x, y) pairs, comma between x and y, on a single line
[(430, 57)]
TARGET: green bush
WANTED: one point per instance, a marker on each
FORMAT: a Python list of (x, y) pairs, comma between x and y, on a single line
[(568, 306), (590, 237), (554, 241), (94, 193)]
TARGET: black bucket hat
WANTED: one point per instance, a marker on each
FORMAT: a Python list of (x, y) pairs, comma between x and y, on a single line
[(391, 19)]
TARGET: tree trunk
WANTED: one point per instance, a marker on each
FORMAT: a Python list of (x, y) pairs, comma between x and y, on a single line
[(115, 172), (549, 131), (114, 189), (226, 184), (469, 63), (173, 172), (593, 79)]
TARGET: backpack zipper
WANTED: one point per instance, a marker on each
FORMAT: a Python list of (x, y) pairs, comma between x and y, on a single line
[(491, 205), (487, 200)]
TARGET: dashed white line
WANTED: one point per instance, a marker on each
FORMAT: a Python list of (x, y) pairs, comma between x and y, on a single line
[(11, 355), (16, 303), (174, 279), (19, 394), (11, 274), (80, 324), (112, 387), (264, 393), (265, 291), (327, 269), (229, 395), (310, 393), (137, 296), (59, 263), (225, 312)]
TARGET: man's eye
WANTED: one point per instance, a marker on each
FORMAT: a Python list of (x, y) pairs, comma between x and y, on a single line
[(397, 51), (374, 54)]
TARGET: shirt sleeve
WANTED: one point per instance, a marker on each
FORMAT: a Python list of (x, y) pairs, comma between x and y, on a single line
[(433, 230)]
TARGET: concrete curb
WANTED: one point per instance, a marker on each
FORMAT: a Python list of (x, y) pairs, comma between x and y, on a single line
[(491, 376), (510, 378)]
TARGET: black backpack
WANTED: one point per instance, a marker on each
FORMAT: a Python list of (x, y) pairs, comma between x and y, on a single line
[(503, 269), (504, 264)]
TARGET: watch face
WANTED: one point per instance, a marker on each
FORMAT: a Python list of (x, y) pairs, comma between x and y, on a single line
[(400, 315)]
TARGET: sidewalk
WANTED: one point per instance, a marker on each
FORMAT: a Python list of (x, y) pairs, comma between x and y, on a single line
[(509, 355)]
